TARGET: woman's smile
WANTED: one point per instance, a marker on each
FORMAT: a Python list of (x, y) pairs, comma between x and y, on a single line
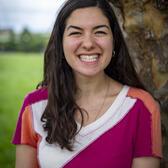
[(89, 58)]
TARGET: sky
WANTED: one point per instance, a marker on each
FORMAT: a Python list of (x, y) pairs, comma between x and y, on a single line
[(37, 15)]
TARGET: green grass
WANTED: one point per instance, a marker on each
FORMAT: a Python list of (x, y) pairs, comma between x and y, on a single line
[(19, 74)]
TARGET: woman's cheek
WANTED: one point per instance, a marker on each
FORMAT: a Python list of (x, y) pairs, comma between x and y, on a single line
[(104, 43), (71, 44)]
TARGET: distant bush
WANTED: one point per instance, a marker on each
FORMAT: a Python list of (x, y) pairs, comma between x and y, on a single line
[(25, 41)]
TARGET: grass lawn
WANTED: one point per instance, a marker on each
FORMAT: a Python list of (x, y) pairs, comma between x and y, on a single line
[(19, 74)]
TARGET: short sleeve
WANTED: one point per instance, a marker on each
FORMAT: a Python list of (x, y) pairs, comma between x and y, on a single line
[(148, 141), (24, 133), (148, 131)]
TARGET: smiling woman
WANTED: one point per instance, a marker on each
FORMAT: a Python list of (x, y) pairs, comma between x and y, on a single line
[(91, 101), (88, 45)]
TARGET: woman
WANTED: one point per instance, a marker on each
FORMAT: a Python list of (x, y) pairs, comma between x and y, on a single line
[(90, 110)]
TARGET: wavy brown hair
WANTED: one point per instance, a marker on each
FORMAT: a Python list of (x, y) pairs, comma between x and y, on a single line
[(58, 116)]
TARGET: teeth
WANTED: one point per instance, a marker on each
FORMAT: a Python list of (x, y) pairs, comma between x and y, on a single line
[(88, 58)]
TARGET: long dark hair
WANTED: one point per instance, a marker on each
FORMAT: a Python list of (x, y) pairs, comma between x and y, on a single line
[(58, 117)]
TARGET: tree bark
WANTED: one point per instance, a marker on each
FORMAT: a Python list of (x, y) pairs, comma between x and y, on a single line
[(145, 27)]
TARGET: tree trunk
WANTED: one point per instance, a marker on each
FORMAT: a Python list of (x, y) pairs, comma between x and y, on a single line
[(145, 27)]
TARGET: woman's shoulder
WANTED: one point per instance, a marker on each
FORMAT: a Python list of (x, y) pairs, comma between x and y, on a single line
[(35, 96), (145, 97)]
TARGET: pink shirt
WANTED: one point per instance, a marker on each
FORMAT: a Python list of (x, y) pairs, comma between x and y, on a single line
[(130, 128)]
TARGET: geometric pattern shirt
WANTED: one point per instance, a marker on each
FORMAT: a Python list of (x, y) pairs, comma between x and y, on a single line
[(130, 128)]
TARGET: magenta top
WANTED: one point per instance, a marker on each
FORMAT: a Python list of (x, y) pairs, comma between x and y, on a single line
[(130, 128)]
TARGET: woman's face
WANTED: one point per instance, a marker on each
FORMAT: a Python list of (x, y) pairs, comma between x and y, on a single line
[(88, 41)]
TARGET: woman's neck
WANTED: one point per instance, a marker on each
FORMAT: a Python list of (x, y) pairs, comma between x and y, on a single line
[(89, 86)]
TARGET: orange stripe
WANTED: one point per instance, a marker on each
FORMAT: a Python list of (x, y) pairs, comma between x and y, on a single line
[(154, 109), (28, 135)]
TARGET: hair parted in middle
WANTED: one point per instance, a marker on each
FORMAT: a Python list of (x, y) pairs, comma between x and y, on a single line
[(58, 117)]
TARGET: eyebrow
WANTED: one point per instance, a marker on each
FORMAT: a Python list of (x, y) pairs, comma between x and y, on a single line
[(79, 28)]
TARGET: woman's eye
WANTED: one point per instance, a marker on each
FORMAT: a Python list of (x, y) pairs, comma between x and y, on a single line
[(100, 32), (74, 33)]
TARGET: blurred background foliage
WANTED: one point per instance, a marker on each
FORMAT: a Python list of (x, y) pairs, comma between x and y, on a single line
[(24, 31), (24, 41)]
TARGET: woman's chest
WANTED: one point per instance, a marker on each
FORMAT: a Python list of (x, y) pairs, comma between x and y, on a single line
[(111, 148)]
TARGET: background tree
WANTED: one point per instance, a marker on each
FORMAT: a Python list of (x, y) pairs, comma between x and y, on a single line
[(145, 27)]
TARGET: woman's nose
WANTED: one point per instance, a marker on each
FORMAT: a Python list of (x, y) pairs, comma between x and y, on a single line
[(88, 42)]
